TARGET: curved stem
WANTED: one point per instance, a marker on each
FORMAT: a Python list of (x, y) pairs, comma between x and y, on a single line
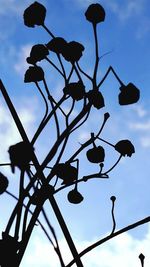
[(105, 141), (96, 56), (41, 127), (44, 98), (106, 74), (20, 205), (84, 179), (54, 66), (113, 166), (84, 73), (105, 239), (41, 225), (112, 213), (49, 32), (80, 124), (53, 108), (90, 140), (55, 147)]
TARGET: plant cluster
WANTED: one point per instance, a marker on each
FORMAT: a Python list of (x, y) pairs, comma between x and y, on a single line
[(41, 187)]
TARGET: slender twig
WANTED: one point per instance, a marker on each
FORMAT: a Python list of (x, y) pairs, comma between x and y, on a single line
[(113, 198), (87, 143), (96, 56), (19, 209), (53, 108), (116, 163), (54, 66), (105, 141), (49, 32), (106, 74), (40, 129), (83, 72), (109, 237), (55, 147), (85, 178), (45, 101), (41, 225), (39, 170)]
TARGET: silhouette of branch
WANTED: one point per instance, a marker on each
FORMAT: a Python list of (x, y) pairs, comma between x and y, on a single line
[(85, 178), (96, 56), (63, 136), (105, 76), (80, 124), (83, 72), (46, 104), (53, 108), (42, 178), (113, 198), (39, 222), (109, 237), (116, 163), (142, 258), (87, 143), (40, 129), (49, 32), (55, 67)]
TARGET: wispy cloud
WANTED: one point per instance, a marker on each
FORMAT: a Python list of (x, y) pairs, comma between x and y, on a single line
[(121, 251), (21, 65), (9, 133)]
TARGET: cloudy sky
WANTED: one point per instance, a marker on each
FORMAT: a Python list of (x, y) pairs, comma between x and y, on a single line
[(125, 34)]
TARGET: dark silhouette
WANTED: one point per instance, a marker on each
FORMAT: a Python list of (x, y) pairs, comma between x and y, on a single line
[(62, 175)]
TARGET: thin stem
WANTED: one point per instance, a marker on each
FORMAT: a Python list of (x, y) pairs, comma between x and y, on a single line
[(61, 221), (70, 74), (41, 225), (44, 98), (106, 74), (19, 209), (113, 198), (80, 124), (105, 141), (62, 66), (53, 108), (96, 55), (40, 129), (49, 32), (39, 170), (87, 143), (54, 66), (109, 237), (113, 166), (85, 178), (55, 147), (77, 72), (84, 73)]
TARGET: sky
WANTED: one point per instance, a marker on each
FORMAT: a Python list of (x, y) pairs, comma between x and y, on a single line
[(125, 34)]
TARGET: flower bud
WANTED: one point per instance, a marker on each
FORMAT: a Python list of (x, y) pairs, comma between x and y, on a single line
[(34, 74), (34, 15), (95, 13)]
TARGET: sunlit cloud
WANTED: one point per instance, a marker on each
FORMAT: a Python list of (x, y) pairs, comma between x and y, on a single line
[(21, 65), (120, 251)]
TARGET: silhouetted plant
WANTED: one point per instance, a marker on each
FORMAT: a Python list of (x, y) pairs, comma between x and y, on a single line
[(22, 155)]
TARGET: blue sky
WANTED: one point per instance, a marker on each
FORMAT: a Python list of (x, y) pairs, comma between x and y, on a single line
[(126, 34)]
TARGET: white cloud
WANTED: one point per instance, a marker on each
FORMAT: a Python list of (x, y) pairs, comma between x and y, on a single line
[(141, 126), (120, 251), (140, 110), (9, 133), (145, 141), (21, 65)]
